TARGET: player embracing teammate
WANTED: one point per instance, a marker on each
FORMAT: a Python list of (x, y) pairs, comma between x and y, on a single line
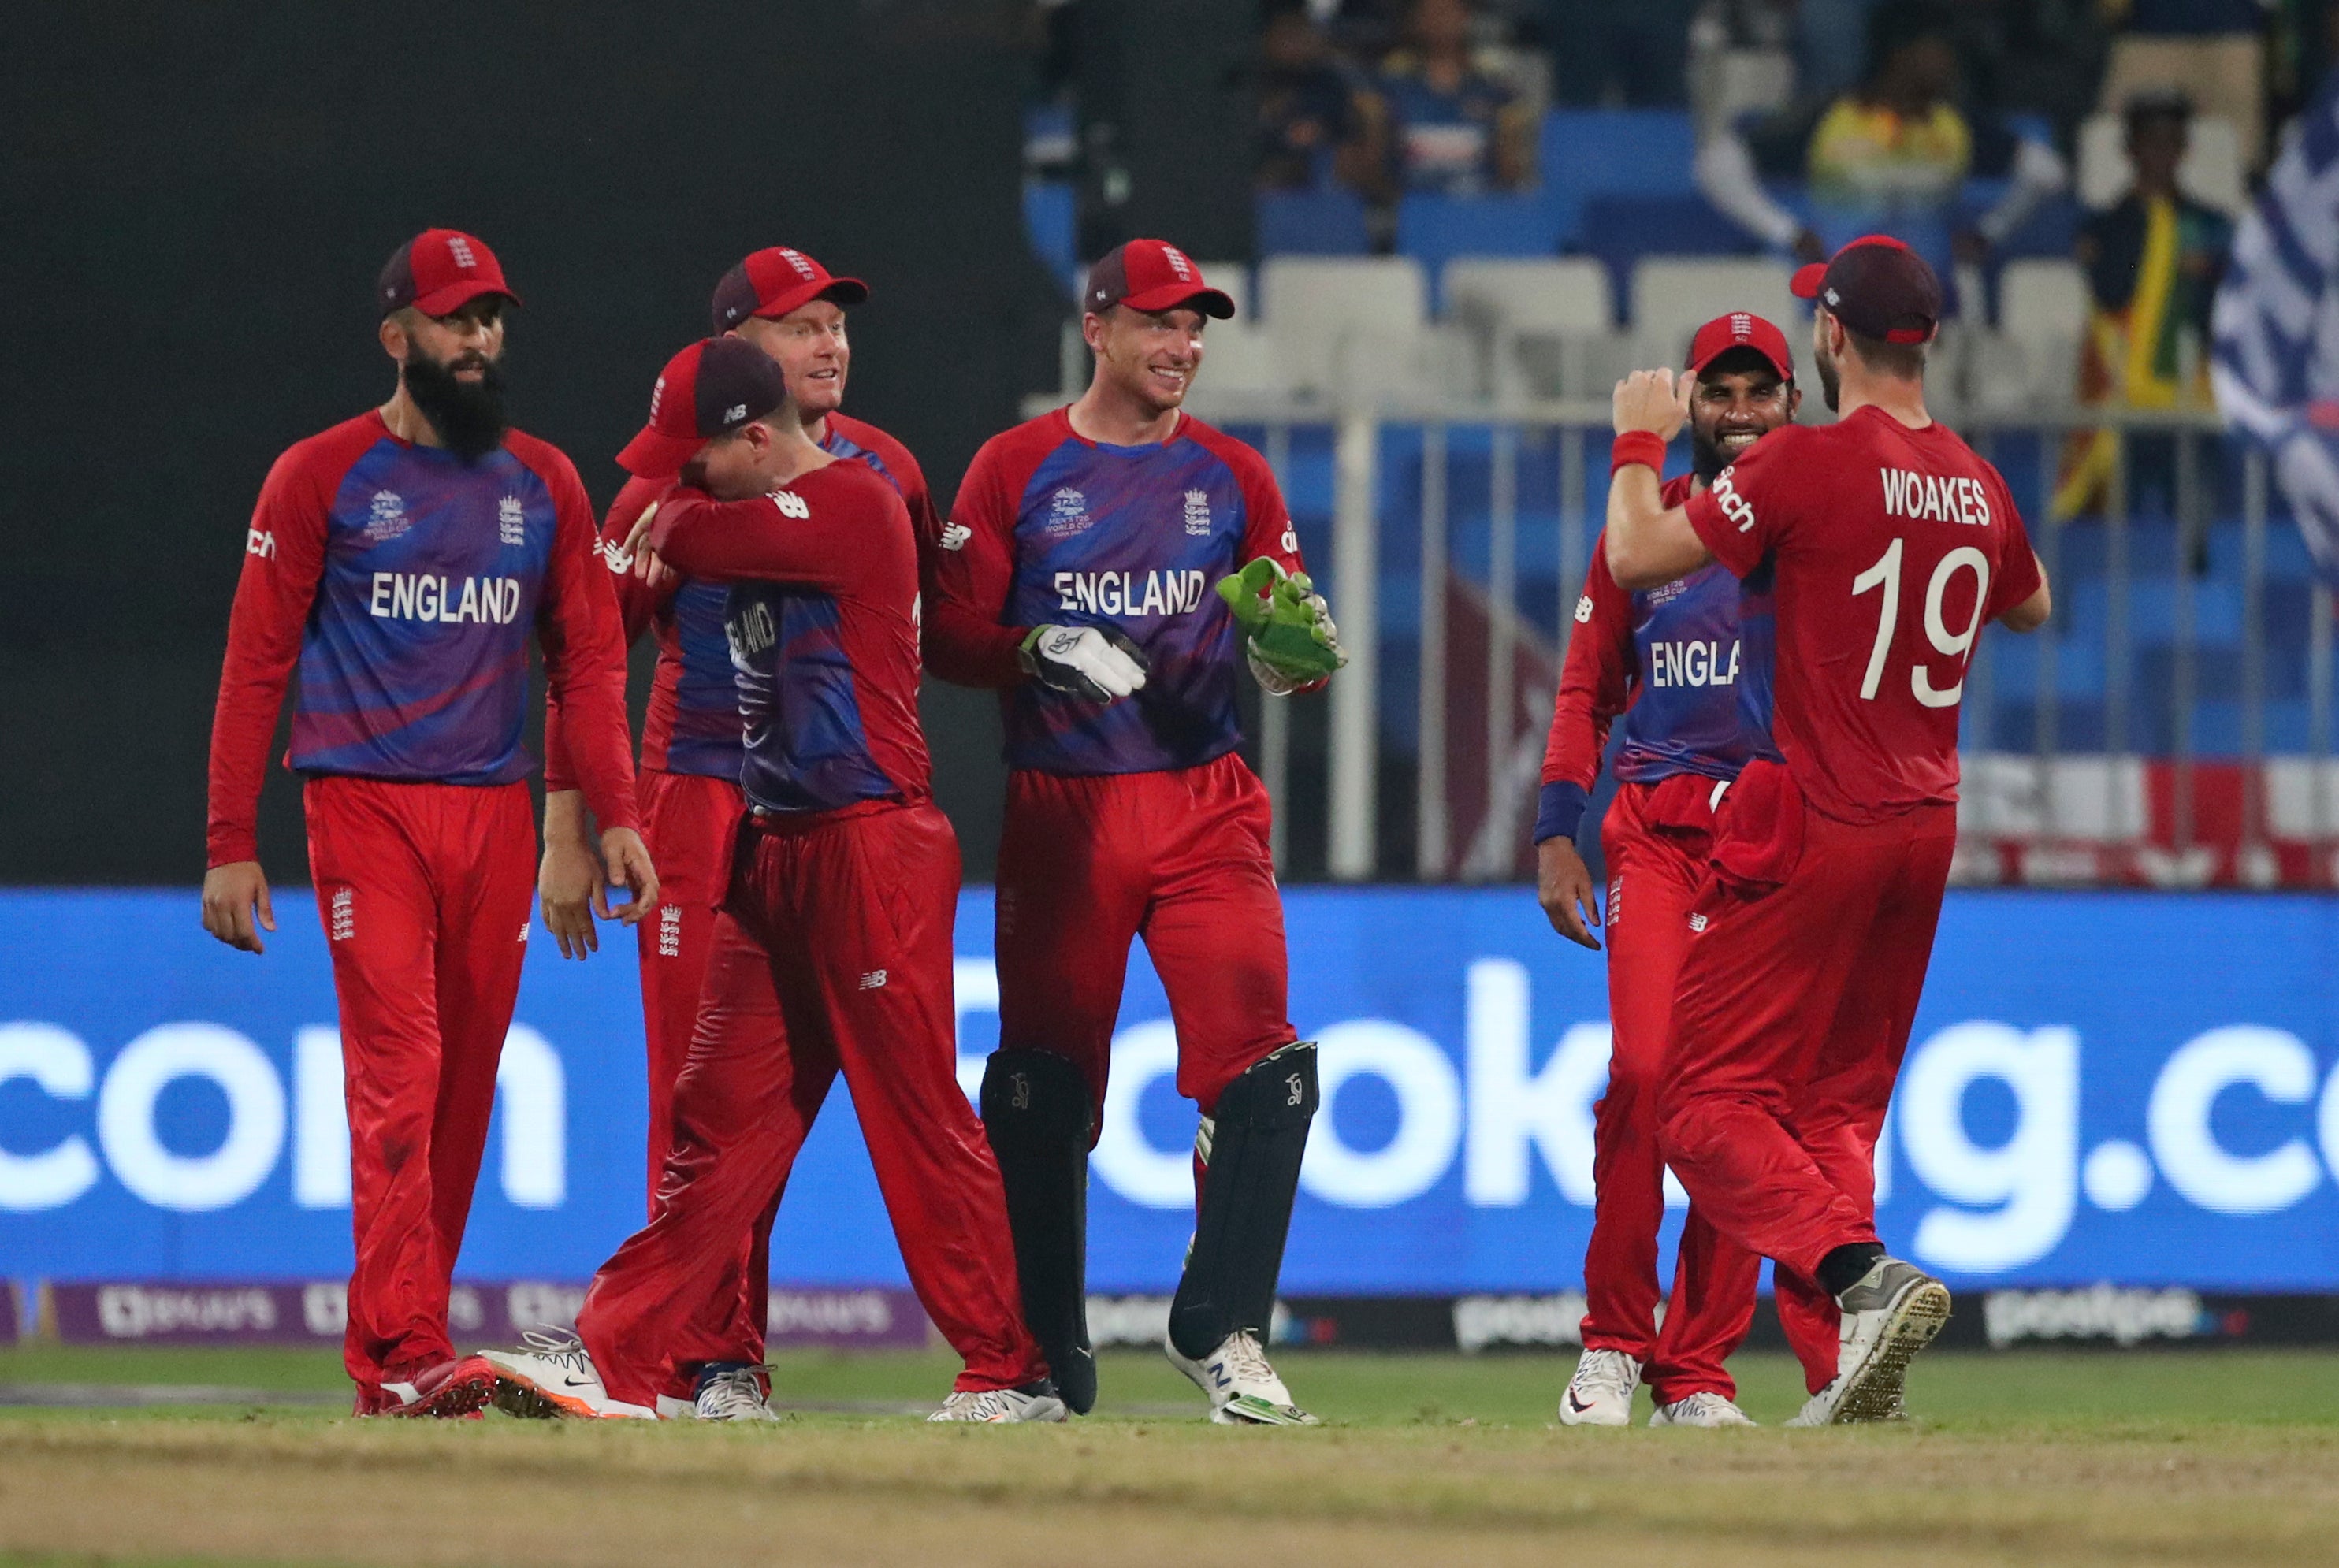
[(1076, 575), (1688, 668), (1884, 545)]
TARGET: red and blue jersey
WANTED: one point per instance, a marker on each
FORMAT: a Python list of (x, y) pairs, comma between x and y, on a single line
[(403, 584), (820, 618), (1688, 665), (1051, 529), (693, 723)]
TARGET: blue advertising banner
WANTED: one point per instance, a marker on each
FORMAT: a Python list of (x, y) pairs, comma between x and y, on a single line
[(2128, 1087)]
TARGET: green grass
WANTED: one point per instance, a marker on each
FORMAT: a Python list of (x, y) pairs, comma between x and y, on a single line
[(2219, 1457)]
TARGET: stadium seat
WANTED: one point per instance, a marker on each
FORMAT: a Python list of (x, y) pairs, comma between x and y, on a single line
[(2042, 315), (1433, 229), (1325, 222), (1620, 230), (1673, 296), (1333, 319), (1541, 328), (1049, 226), (2212, 173)]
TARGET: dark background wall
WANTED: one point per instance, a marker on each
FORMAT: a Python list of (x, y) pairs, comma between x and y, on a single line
[(197, 201)]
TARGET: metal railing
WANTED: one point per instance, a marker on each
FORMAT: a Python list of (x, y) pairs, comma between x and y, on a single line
[(1355, 755)]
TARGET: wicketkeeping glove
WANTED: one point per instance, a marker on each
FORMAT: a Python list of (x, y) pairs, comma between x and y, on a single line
[(1291, 643), (1087, 662)]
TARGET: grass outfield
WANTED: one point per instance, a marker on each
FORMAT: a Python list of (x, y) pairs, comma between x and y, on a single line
[(2210, 1457)]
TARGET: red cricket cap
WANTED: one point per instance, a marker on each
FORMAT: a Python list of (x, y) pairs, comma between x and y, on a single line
[(772, 282), (1741, 329), (710, 389), (1878, 287), (439, 271), (1151, 275)]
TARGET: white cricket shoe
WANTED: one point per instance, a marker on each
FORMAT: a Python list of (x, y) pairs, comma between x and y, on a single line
[(1704, 1409), (1243, 1387), (554, 1378), (1601, 1392), (1887, 1317), (996, 1406), (728, 1391)]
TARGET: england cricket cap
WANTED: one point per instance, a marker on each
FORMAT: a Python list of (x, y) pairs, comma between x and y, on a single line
[(774, 281), (1878, 287), (1151, 275), (439, 271), (1741, 329), (711, 389)]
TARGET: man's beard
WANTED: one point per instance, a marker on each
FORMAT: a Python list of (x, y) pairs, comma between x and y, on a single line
[(1706, 458), (1831, 382), (468, 416)]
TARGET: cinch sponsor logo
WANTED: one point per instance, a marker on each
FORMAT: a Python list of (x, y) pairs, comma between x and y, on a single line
[(1928, 497), (1122, 594), (256, 543), (1692, 664), (1734, 506), (421, 596)]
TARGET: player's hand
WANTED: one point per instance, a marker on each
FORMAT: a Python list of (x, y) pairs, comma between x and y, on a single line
[(1088, 661), (234, 895), (1293, 645), (647, 564), (568, 886), (628, 861), (1648, 400), (1564, 888)]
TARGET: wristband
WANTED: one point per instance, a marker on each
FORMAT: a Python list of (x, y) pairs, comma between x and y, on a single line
[(1559, 811), (1643, 447)]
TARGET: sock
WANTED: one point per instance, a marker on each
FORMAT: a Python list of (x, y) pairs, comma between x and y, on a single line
[(1846, 1266)]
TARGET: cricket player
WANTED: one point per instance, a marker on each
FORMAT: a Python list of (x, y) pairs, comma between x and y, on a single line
[(402, 561), (1885, 545), (790, 306), (1076, 575), (1694, 692), (833, 947)]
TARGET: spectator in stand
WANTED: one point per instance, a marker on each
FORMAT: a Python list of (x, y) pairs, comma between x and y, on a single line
[(1436, 122), (1310, 129), (1610, 55), (2153, 259), (1892, 155)]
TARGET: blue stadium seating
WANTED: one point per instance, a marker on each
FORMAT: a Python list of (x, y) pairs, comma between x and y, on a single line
[(1433, 229), (1325, 222), (1051, 224)]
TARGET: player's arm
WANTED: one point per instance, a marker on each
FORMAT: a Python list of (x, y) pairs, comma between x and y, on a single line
[(755, 541), (1648, 543), (580, 632), (283, 558), (1594, 684), (2020, 598), (569, 884)]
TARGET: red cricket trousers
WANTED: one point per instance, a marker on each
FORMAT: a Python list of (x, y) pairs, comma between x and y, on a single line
[(1811, 938), (690, 821), (1180, 858), (1655, 838), (832, 952), (424, 891)]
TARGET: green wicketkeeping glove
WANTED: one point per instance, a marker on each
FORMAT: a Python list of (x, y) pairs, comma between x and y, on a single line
[(1292, 641)]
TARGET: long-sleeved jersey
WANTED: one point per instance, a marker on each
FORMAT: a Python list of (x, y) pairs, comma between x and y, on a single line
[(1688, 666), (1054, 530), (822, 622), (693, 723), (404, 583)]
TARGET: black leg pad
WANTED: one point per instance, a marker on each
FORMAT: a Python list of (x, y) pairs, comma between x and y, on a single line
[(1251, 1151), (1037, 1113)]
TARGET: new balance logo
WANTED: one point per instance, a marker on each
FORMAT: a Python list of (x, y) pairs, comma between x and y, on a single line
[(1022, 1099), (955, 536), (791, 505), (342, 915), (670, 931), (1697, 923), (1583, 611), (873, 981), (614, 555)]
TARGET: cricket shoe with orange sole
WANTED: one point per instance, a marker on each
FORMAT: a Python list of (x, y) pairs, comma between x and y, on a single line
[(554, 1378), (456, 1388)]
